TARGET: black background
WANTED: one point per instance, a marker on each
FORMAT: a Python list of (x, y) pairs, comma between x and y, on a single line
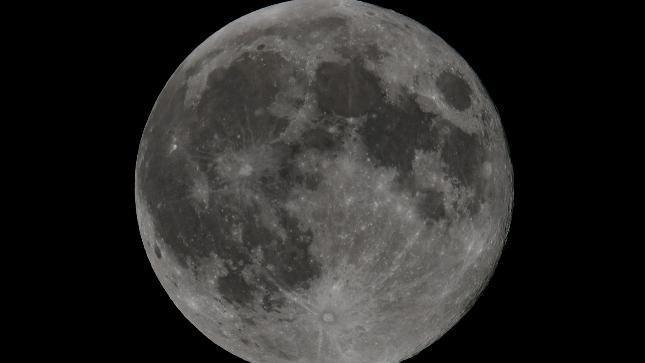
[(523, 55)]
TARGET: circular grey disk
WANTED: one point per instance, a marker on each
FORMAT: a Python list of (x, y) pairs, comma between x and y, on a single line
[(323, 181)]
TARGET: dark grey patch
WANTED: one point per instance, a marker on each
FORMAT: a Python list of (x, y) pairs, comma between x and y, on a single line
[(370, 13), (176, 218), (312, 180), (271, 302), (277, 184), (235, 289), (320, 140), (260, 47), (157, 251), (347, 90), (227, 105), (430, 205), (247, 321), (193, 233), (374, 52), (455, 90), (338, 123), (395, 132), (293, 266), (195, 236), (464, 155)]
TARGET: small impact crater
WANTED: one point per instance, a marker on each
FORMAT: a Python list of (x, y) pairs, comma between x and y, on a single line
[(328, 317), (157, 252)]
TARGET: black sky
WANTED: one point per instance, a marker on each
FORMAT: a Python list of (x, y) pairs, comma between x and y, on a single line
[(523, 55)]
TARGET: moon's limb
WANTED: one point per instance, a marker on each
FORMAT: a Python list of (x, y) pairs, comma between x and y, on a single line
[(323, 181)]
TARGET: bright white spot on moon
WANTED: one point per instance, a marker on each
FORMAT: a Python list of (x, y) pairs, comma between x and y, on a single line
[(246, 170), (328, 317), (488, 169), (191, 302)]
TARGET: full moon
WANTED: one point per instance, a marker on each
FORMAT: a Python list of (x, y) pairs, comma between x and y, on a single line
[(323, 181)]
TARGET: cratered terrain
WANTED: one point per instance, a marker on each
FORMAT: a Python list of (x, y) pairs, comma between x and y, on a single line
[(323, 181)]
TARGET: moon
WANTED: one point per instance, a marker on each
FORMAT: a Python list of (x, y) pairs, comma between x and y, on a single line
[(323, 181)]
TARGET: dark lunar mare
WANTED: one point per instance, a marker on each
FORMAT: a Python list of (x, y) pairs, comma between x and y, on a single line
[(394, 132), (224, 119), (456, 91)]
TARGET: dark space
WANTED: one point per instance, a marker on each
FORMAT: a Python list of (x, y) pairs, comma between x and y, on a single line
[(524, 312)]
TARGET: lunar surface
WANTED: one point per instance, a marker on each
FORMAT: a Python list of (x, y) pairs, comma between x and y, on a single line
[(323, 181)]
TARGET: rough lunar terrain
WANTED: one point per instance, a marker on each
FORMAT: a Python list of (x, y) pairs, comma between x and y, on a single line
[(323, 181)]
